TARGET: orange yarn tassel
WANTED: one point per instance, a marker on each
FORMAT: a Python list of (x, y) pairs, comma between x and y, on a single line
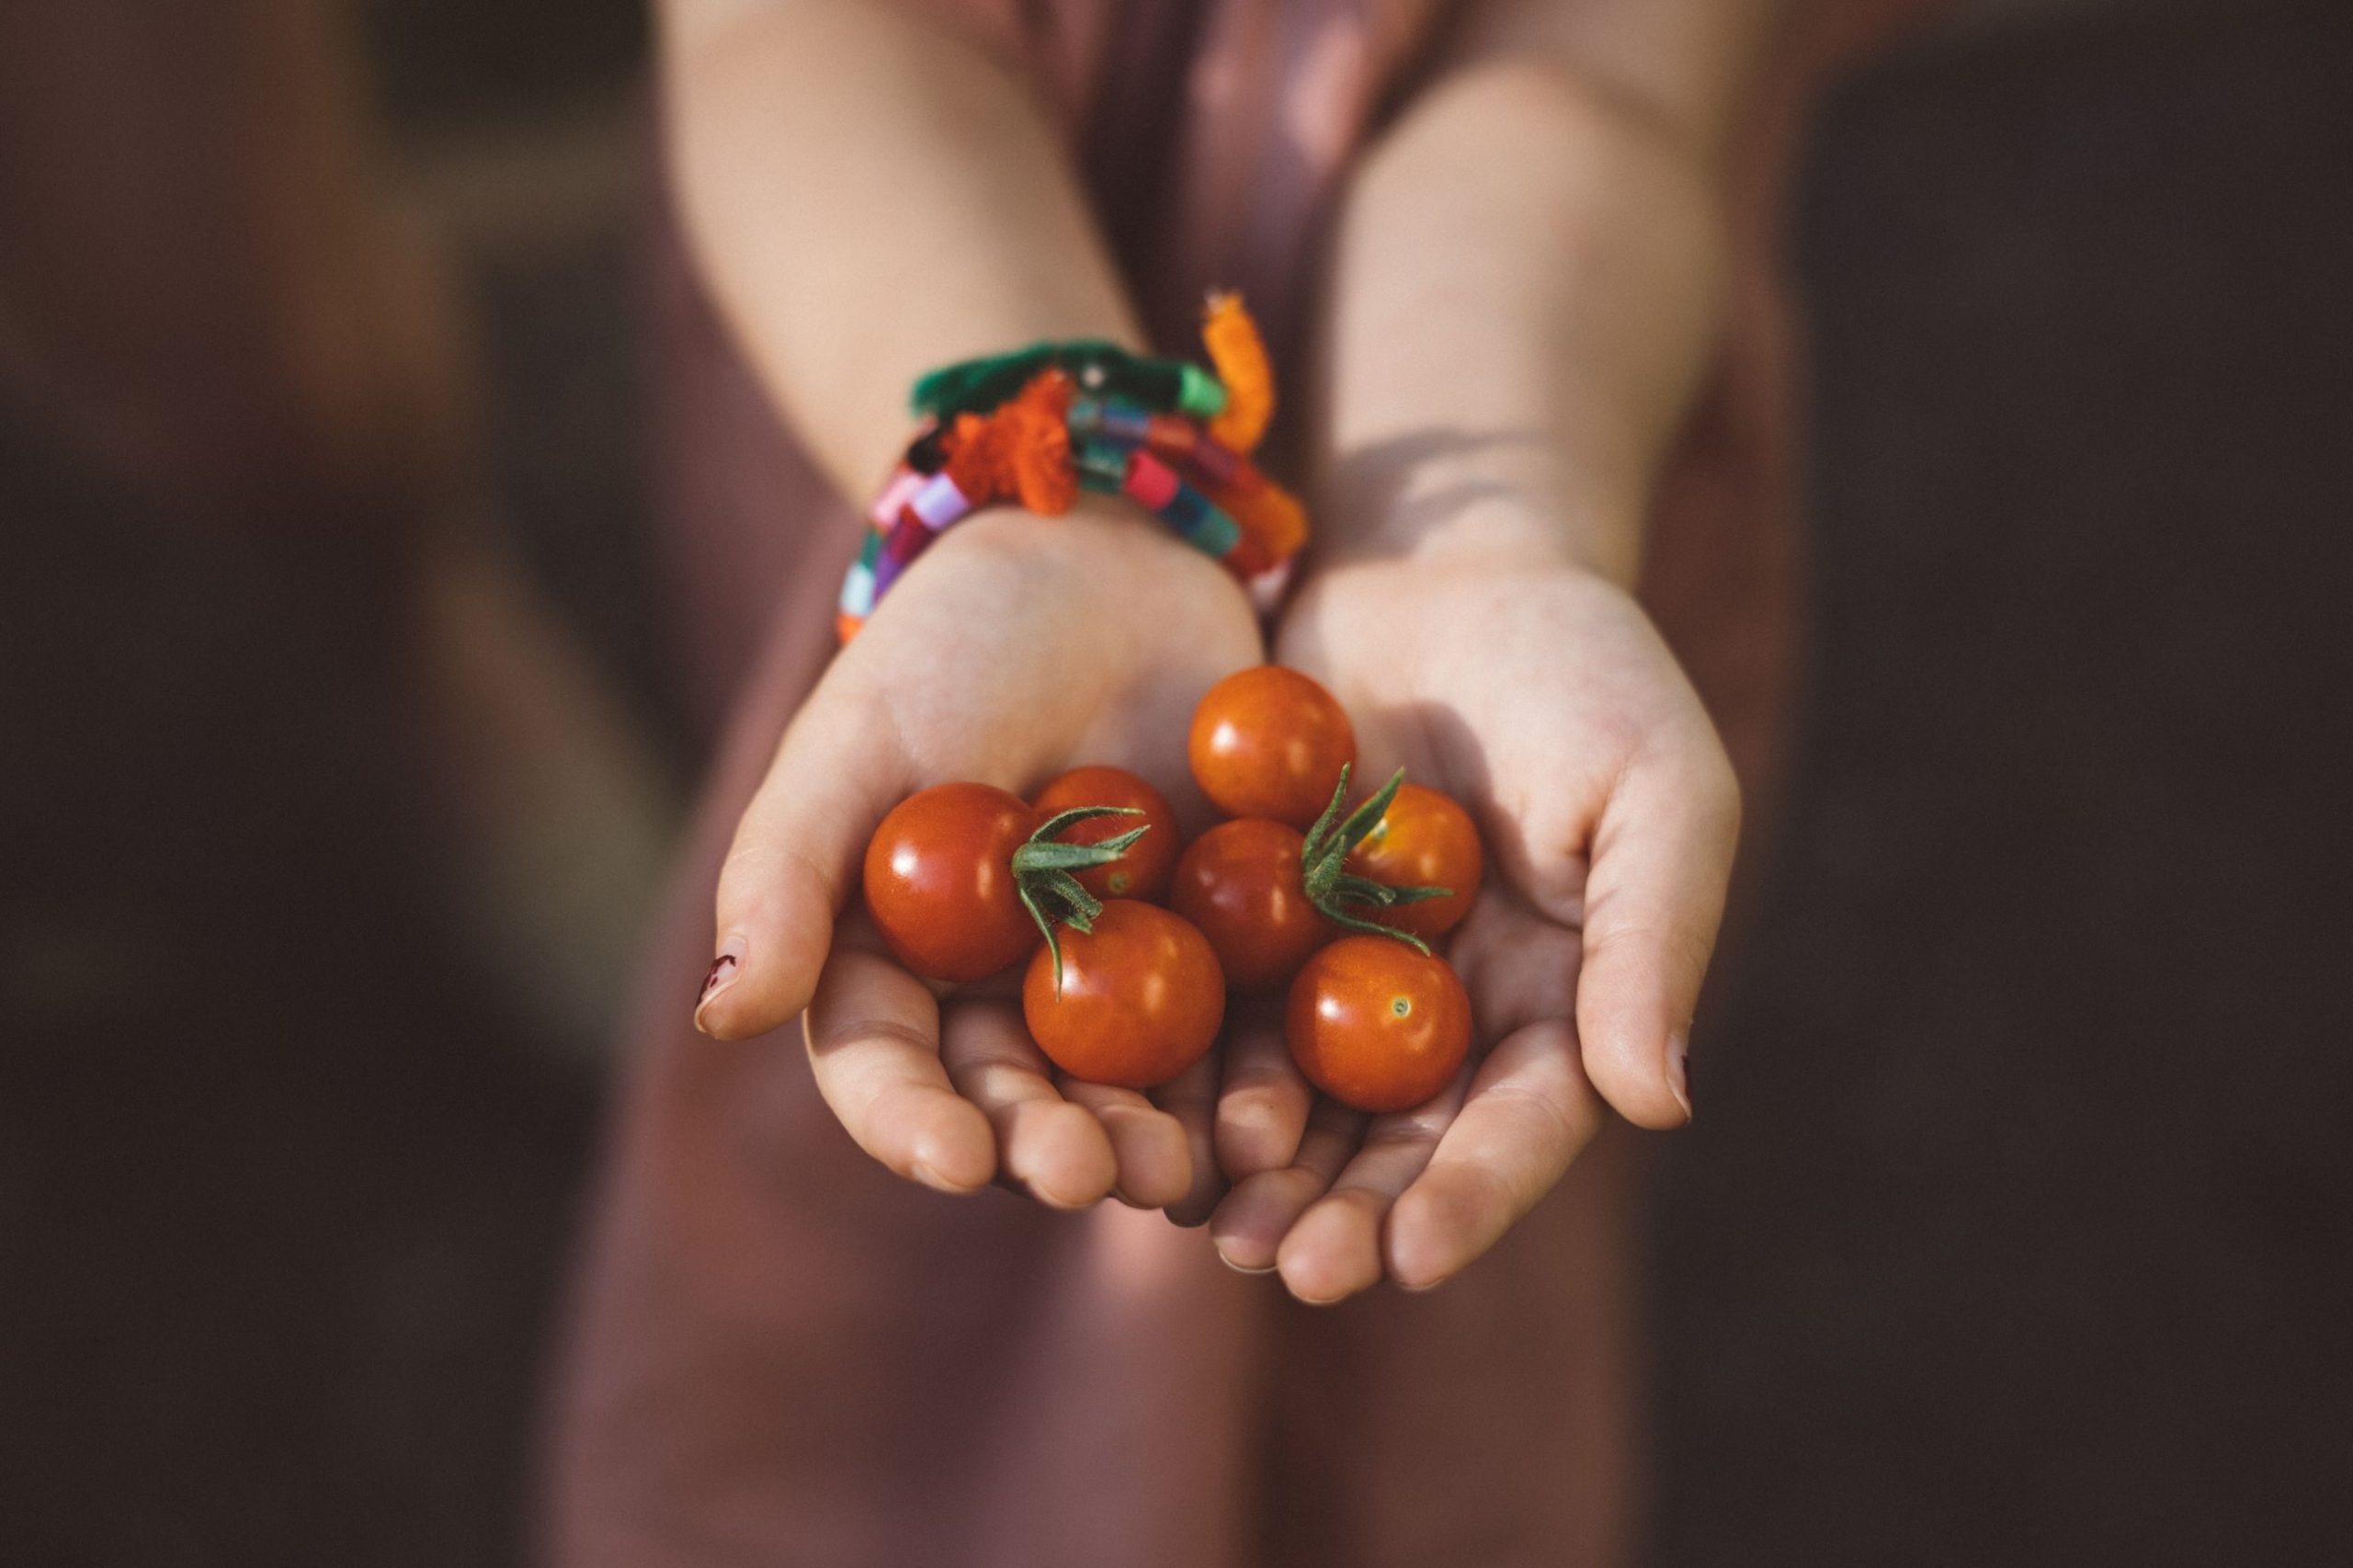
[(1020, 452), (1273, 524), (1240, 355)]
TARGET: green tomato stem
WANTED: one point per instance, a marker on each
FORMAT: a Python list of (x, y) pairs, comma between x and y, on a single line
[(1042, 871), (1322, 859)]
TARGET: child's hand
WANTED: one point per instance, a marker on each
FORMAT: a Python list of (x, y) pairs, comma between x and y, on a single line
[(1538, 695), (1018, 646)]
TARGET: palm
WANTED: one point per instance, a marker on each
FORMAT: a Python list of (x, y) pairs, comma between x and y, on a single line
[(1543, 700), (998, 661), (994, 660)]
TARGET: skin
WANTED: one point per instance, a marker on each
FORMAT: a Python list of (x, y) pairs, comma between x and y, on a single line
[(1422, 840), (1488, 421), (1270, 742), (1139, 999), (1486, 470)]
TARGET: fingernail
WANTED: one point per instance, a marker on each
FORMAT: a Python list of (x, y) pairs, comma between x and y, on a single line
[(725, 970), (1055, 1200), (933, 1180), (1237, 1267), (1678, 1069)]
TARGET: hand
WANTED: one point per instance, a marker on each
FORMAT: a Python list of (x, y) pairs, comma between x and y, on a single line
[(1018, 647), (1536, 694)]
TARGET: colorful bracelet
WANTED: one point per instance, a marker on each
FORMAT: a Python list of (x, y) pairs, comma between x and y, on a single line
[(1042, 424)]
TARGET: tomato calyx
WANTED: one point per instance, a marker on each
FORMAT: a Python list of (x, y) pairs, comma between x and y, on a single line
[(1332, 889), (1043, 868)]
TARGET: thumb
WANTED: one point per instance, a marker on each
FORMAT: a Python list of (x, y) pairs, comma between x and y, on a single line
[(1654, 896), (794, 861)]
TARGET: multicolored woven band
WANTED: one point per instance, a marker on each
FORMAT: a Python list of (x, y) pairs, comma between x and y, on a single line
[(1039, 425)]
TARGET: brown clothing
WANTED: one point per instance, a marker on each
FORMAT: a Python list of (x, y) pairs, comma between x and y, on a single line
[(782, 1353)]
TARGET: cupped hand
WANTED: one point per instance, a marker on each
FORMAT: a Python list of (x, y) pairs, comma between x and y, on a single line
[(1539, 695), (1018, 647)]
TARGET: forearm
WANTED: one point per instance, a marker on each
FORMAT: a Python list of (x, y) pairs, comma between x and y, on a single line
[(869, 197), (1528, 276)]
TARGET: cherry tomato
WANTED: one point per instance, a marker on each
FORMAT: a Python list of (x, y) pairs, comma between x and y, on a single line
[(939, 881), (1143, 871), (1376, 1025), (1240, 883), (1269, 742), (1139, 1001), (1424, 839)]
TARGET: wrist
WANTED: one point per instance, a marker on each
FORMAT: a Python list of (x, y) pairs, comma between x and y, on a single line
[(1489, 521), (1043, 426), (1098, 539)]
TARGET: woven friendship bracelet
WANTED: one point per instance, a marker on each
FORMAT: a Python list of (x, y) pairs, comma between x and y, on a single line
[(1042, 424)]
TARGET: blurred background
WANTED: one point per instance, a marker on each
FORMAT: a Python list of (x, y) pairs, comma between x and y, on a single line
[(341, 744)]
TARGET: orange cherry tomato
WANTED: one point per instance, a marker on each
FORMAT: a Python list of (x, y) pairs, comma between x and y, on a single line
[(1425, 840), (1269, 742), (1143, 871), (1376, 1025), (940, 881), (1241, 883), (1140, 997)]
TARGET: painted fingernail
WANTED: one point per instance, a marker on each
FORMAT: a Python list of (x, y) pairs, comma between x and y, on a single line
[(1678, 1069), (725, 970)]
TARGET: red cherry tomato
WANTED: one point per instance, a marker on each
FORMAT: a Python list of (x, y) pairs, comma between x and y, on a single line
[(940, 881), (1423, 840), (1376, 1025), (1143, 871), (1139, 1001), (1241, 883), (1269, 742)]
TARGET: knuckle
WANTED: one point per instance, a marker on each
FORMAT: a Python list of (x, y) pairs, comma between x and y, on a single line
[(755, 865), (1411, 1133), (1652, 949), (836, 1036), (1259, 1080), (1539, 1117), (993, 1077), (1476, 1197)]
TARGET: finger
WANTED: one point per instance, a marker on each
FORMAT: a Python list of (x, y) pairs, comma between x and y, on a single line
[(1530, 1113), (1263, 1104), (794, 861), (1155, 1167), (1334, 1250), (1250, 1224), (1654, 896), (1192, 1100), (874, 1033), (1055, 1151)]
